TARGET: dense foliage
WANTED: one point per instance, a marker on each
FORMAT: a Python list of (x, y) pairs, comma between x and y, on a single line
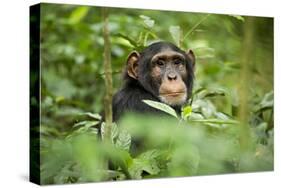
[(227, 128)]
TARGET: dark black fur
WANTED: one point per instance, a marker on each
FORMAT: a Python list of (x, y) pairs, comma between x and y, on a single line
[(129, 98)]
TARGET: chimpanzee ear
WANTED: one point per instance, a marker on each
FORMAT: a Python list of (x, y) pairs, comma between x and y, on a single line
[(132, 64), (191, 56)]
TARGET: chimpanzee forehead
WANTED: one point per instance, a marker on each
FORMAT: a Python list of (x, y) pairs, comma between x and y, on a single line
[(167, 54), (161, 47)]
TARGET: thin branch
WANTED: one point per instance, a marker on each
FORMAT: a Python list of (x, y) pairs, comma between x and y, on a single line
[(108, 75), (195, 26)]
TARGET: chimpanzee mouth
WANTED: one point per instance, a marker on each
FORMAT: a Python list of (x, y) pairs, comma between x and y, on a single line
[(174, 94), (175, 98)]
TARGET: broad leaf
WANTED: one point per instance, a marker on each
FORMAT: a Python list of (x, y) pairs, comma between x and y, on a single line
[(147, 162), (186, 112), (161, 106), (175, 32), (238, 17), (124, 140), (114, 132), (87, 124), (78, 14), (94, 116), (267, 101), (148, 22)]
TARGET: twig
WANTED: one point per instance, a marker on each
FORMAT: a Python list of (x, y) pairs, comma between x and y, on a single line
[(195, 26)]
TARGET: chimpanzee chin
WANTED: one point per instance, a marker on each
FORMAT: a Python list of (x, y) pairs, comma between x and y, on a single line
[(161, 72)]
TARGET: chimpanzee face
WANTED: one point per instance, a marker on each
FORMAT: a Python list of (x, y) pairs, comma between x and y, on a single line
[(168, 70), (165, 71)]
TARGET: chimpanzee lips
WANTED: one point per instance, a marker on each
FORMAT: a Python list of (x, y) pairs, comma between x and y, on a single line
[(173, 98), (173, 94)]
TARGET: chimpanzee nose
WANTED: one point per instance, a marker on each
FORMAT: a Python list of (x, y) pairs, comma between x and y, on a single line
[(172, 76)]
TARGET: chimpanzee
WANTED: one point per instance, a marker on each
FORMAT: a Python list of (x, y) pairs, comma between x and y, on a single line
[(161, 72)]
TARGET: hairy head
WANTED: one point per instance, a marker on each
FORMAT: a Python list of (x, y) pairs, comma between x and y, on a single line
[(164, 70)]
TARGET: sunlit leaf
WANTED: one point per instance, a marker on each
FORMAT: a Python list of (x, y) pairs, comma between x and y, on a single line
[(186, 111), (161, 106), (124, 140), (175, 32), (78, 14), (87, 124), (267, 101), (59, 99), (114, 132), (144, 17), (238, 17), (148, 22), (122, 41), (130, 40), (102, 130), (195, 116), (94, 116)]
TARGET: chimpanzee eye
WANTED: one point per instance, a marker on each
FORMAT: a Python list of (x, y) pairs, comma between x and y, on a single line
[(160, 62), (177, 62)]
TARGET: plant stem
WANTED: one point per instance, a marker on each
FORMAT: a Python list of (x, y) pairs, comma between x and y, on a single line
[(195, 26), (108, 76), (245, 79)]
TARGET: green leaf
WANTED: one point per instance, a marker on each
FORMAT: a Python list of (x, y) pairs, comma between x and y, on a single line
[(186, 112), (221, 116), (78, 14), (199, 90), (91, 124), (144, 17), (211, 93), (102, 130), (124, 140), (147, 162), (175, 32), (215, 121), (122, 41), (238, 17), (148, 22), (267, 101), (114, 132), (185, 160), (195, 116), (161, 106), (79, 123), (94, 116), (130, 40), (87, 124)]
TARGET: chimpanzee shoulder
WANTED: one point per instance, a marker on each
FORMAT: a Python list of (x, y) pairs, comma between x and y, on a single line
[(130, 99)]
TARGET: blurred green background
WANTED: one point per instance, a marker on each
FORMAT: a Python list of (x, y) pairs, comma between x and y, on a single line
[(234, 82)]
